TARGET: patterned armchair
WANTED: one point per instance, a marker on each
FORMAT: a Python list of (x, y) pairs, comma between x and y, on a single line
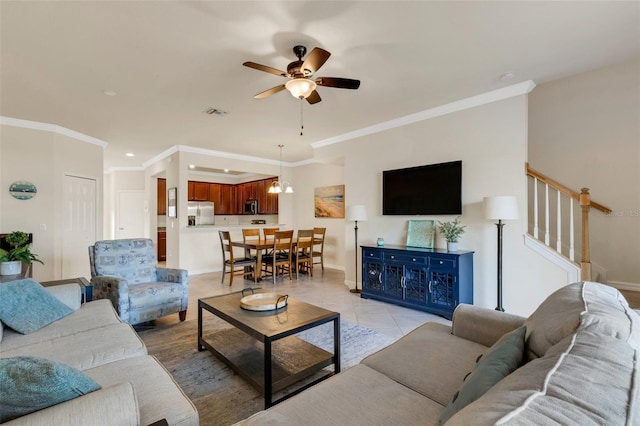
[(126, 272)]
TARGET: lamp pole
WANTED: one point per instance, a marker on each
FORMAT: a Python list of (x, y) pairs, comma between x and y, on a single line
[(356, 213), (500, 225), (356, 290)]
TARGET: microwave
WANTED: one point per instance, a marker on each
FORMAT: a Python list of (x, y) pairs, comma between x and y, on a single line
[(251, 206)]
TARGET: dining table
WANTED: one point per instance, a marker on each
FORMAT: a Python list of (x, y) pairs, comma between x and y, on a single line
[(258, 246)]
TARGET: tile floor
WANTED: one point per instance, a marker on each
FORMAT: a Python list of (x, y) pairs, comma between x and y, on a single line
[(325, 289)]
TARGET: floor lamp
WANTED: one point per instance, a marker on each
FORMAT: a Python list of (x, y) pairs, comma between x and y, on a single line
[(503, 207), (354, 214)]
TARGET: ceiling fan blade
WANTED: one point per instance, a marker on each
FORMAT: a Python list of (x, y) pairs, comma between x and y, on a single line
[(265, 69), (270, 92), (340, 83), (315, 60), (314, 97)]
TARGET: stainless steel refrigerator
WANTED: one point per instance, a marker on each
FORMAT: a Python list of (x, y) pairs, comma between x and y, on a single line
[(200, 213)]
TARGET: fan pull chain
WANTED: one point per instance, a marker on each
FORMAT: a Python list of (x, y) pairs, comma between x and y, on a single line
[(301, 117)]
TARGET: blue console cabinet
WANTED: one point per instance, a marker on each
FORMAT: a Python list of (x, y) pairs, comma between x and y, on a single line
[(430, 280)]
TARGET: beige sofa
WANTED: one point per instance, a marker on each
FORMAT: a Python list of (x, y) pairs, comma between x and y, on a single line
[(135, 387), (580, 365)]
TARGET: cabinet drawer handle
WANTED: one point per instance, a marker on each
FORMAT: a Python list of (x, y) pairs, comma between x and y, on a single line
[(441, 262), (370, 254), (414, 259), (393, 257)]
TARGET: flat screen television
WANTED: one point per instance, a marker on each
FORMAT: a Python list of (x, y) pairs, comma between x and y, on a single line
[(433, 189)]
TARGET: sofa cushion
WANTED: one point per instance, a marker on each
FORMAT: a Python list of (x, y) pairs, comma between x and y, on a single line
[(416, 361), (503, 358), (596, 305), (29, 384), (86, 349), (586, 379), (26, 306), (91, 315), (358, 396), (159, 396)]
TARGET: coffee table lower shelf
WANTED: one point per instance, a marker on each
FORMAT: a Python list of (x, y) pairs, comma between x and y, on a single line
[(292, 360)]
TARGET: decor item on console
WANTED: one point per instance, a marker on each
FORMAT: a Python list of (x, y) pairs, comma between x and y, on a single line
[(354, 214), (503, 207), (280, 186), (421, 233), (20, 252), (452, 230)]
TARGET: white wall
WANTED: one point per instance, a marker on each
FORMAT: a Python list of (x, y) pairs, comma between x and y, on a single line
[(43, 158), (491, 141), (584, 131)]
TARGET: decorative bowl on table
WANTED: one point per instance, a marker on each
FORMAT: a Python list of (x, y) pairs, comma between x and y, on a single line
[(264, 301)]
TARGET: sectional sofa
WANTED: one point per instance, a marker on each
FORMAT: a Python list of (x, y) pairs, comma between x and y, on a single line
[(135, 389), (574, 361)]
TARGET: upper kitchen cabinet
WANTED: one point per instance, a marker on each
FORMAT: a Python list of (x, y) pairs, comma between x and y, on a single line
[(227, 200), (162, 197), (198, 191)]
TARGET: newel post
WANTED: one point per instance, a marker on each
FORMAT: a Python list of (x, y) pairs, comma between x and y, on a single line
[(585, 264)]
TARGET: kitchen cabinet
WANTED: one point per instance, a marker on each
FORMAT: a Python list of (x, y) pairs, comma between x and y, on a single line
[(162, 197), (229, 199), (430, 280), (198, 191), (162, 245)]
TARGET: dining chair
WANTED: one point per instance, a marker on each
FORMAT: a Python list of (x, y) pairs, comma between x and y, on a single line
[(230, 261), (318, 245), (248, 235), (303, 252), (269, 232), (280, 258)]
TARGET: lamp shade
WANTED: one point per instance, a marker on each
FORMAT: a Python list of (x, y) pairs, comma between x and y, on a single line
[(357, 212), (501, 207), (300, 87)]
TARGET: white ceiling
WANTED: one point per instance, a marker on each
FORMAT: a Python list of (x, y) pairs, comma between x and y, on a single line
[(168, 61)]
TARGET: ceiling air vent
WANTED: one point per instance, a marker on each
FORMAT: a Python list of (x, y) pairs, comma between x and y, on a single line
[(215, 111)]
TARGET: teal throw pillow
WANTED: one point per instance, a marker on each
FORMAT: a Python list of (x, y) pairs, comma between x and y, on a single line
[(30, 384), (502, 359), (26, 306)]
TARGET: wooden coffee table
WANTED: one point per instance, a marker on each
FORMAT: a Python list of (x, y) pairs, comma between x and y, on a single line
[(264, 350)]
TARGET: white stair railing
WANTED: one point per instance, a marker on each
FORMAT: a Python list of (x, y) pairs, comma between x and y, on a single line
[(565, 240)]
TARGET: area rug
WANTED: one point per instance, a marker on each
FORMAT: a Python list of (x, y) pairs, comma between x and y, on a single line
[(220, 395)]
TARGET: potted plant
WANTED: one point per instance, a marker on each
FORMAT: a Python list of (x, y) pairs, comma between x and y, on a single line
[(452, 231), (11, 260)]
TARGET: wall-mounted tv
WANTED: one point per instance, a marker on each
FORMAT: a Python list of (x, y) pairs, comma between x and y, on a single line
[(433, 189)]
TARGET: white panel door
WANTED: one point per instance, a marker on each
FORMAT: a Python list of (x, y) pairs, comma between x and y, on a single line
[(79, 229), (130, 217)]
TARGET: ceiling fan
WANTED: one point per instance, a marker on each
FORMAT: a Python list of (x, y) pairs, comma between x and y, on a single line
[(299, 72)]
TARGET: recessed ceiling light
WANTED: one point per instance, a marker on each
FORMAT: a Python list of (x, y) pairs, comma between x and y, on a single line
[(130, 154), (507, 76), (109, 93), (191, 166), (226, 170)]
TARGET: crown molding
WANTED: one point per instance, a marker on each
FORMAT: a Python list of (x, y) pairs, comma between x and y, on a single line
[(221, 154), (460, 105), (123, 169), (35, 125)]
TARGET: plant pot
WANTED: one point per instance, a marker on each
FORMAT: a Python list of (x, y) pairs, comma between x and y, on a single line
[(451, 246), (11, 268)]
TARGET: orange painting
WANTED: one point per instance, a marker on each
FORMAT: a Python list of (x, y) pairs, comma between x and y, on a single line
[(329, 201)]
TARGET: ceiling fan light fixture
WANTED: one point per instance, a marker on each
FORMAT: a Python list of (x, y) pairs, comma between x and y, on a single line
[(300, 88)]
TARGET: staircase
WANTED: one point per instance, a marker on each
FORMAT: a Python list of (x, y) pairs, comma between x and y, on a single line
[(559, 224)]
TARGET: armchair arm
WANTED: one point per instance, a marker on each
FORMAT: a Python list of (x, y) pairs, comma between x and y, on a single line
[(114, 405), (181, 276), (172, 275), (482, 325), (114, 289)]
